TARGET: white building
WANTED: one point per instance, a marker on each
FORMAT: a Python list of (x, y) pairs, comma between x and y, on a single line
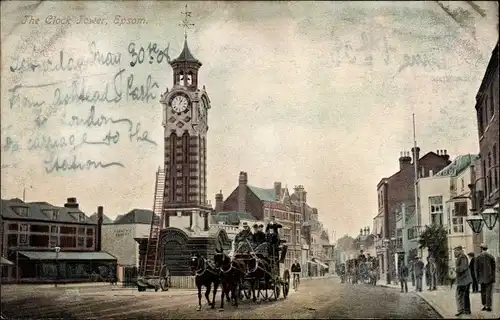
[(118, 237), (232, 222), (444, 199)]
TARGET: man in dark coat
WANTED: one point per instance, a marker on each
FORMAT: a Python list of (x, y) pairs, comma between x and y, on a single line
[(259, 236), (475, 287), (464, 280), (244, 234), (419, 273), (485, 272), (403, 277)]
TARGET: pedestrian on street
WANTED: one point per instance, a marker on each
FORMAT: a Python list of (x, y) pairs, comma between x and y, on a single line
[(428, 274), (412, 272), (432, 274), (485, 272), (419, 273), (475, 287), (403, 276), (464, 280)]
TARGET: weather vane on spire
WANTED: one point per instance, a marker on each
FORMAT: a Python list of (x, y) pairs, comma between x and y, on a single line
[(185, 22)]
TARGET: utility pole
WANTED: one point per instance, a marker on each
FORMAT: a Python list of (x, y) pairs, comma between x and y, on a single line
[(415, 168)]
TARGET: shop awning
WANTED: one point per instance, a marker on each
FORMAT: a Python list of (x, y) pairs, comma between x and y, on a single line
[(67, 255), (5, 262), (317, 261)]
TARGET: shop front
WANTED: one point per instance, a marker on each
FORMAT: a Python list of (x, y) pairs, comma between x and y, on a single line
[(50, 267)]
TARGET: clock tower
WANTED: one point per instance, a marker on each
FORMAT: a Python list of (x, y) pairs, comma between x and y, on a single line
[(185, 119)]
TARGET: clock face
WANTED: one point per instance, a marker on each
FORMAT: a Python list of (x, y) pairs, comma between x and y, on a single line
[(179, 103)]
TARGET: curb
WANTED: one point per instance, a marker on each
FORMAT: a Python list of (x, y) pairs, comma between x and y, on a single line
[(433, 305), (430, 303)]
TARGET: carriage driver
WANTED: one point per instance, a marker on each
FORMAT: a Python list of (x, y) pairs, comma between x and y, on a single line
[(244, 234)]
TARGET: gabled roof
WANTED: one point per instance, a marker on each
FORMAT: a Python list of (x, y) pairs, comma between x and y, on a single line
[(263, 194), (232, 217), (105, 218), (141, 216), (36, 211), (458, 165)]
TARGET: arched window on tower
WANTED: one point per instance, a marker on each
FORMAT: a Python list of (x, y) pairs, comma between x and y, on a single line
[(189, 81), (181, 77)]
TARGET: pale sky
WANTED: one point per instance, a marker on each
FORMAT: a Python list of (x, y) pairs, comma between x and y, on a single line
[(294, 98)]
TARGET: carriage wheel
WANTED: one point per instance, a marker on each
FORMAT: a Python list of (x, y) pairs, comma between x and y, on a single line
[(286, 283), (275, 290)]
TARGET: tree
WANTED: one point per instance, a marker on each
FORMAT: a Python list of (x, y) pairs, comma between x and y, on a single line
[(435, 239)]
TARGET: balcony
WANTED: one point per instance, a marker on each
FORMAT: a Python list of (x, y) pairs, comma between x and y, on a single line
[(415, 232)]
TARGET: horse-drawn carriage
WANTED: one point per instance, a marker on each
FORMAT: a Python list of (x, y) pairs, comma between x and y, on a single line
[(251, 271), (262, 271)]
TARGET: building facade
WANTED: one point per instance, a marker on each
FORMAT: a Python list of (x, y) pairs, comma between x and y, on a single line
[(33, 232), (118, 237), (302, 230), (486, 186), (397, 189)]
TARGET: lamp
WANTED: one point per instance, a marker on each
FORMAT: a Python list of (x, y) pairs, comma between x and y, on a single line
[(57, 250), (490, 217), (476, 223)]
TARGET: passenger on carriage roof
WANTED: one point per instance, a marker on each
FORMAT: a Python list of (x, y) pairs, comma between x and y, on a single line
[(259, 236), (273, 226)]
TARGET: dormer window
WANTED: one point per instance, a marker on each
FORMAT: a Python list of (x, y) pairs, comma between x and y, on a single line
[(81, 217), (53, 214), (22, 211)]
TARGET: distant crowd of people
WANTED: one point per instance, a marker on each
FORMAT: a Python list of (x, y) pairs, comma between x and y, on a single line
[(467, 274)]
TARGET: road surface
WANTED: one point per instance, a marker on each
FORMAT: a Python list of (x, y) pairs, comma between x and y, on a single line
[(317, 298)]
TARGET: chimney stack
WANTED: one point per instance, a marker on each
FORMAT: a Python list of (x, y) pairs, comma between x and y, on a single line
[(277, 191), (301, 193), (444, 154), (71, 203), (404, 160), (242, 191), (100, 218), (219, 202)]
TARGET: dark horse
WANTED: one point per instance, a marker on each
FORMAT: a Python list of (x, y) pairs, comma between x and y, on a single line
[(232, 274), (205, 275), (258, 270)]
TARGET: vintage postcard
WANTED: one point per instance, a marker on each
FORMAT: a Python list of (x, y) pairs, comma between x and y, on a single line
[(250, 159)]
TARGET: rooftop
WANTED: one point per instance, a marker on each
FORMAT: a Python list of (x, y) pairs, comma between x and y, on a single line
[(18, 209), (458, 165)]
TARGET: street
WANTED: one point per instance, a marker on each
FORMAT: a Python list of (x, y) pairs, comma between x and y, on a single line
[(317, 298)]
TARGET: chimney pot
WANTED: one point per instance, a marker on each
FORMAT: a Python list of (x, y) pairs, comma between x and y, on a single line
[(445, 152)]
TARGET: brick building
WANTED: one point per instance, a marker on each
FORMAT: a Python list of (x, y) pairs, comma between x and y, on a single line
[(487, 185), (305, 237), (31, 232), (398, 189), (263, 203)]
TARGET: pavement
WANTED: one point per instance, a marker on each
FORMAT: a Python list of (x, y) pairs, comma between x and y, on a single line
[(315, 298), (443, 301)]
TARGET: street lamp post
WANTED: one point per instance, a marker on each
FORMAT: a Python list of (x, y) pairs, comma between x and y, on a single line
[(57, 249)]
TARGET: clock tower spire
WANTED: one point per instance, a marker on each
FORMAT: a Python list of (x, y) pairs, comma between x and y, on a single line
[(185, 121)]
